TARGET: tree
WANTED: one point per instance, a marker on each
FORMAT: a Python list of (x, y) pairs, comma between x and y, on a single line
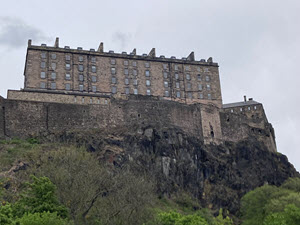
[(290, 216), (44, 218), (175, 218)]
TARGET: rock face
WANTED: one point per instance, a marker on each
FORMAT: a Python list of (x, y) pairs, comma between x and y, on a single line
[(217, 175)]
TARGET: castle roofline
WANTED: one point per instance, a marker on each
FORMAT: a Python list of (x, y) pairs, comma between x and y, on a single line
[(240, 104)]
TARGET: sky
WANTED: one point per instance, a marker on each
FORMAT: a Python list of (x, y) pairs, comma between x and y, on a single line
[(255, 42)]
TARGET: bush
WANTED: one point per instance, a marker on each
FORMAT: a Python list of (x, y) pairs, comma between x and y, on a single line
[(45, 218)]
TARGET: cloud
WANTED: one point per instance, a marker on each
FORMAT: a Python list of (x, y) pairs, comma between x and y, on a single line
[(121, 38), (14, 32)]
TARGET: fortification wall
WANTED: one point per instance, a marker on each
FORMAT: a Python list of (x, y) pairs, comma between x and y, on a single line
[(2, 123)]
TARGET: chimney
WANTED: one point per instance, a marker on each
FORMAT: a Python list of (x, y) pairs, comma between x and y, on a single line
[(29, 42), (152, 53), (250, 99), (56, 45), (134, 51), (191, 57), (210, 60), (100, 49), (245, 98)]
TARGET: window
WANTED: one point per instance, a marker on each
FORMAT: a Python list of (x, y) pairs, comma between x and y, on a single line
[(126, 63), (147, 73), (207, 78), (188, 76), (80, 67), (249, 108), (208, 87), (205, 69), (53, 76), (94, 88), (190, 95), (147, 64), (68, 66), (80, 58), (43, 55), (127, 91), (98, 101), (167, 94), (189, 86), (113, 70), (43, 85), (43, 75), (255, 107), (175, 67), (53, 56), (135, 91), (165, 66), (201, 95), (176, 76), (114, 89), (94, 69), (126, 71), (135, 82), (165, 75), (231, 110), (126, 81), (241, 109), (80, 87), (82, 100), (68, 57), (114, 80), (94, 79), (148, 83), (53, 86), (209, 96), (177, 85), (148, 92), (198, 69), (178, 94), (93, 59), (80, 77), (68, 76), (134, 63), (43, 65), (166, 84), (112, 61), (187, 68), (91, 100), (134, 72), (53, 66), (200, 87), (105, 101), (199, 77), (68, 87)]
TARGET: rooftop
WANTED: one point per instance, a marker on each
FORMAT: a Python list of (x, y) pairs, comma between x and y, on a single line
[(240, 104)]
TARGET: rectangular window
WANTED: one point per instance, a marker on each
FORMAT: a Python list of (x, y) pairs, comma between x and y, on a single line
[(94, 79), (201, 95), (209, 96), (43, 75), (177, 85), (188, 76), (127, 91), (178, 94), (53, 86), (148, 83), (114, 80), (135, 82), (112, 61), (148, 92), (255, 107), (53, 56), (199, 77), (208, 87), (165, 66), (91, 100), (94, 69), (187, 68), (134, 72), (166, 84), (241, 109), (93, 59), (80, 87), (81, 78), (94, 88), (190, 95), (82, 100), (207, 78), (176, 76), (206, 70), (113, 70), (80, 67), (126, 81), (200, 87), (68, 66), (198, 69), (167, 94), (134, 63), (80, 58), (68, 57), (165, 75), (53, 76), (126, 71), (53, 66), (249, 108), (43, 55), (126, 63), (68, 76), (135, 91), (43, 65), (68, 87), (189, 86), (114, 89), (43, 85), (147, 73), (147, 64), (176, 67)]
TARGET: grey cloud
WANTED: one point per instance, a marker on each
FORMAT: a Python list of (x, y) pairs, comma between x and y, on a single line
[(15, 33), (121, 38)]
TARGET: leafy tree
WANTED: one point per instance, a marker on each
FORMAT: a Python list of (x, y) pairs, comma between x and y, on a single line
[(290, 216), (45, 218), (175, 218), (292, 184), (6, 214), (220, 220)]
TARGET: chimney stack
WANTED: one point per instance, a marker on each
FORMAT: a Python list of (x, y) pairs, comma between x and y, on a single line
[(245, 98), (56, 45), (100, 49), (29, 42)]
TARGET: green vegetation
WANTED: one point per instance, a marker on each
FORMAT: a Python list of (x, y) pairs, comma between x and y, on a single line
[(273, 205)]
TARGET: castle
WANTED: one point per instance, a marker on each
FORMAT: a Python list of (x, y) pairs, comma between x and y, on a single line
[(75, 89)]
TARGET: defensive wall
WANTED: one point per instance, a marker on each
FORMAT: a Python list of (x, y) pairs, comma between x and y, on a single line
[(21, 118)]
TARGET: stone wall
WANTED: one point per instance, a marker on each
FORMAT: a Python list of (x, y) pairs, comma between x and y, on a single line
[(2, 124)]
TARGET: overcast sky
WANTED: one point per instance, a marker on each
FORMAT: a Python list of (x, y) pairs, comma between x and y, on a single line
[(255, 42)]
